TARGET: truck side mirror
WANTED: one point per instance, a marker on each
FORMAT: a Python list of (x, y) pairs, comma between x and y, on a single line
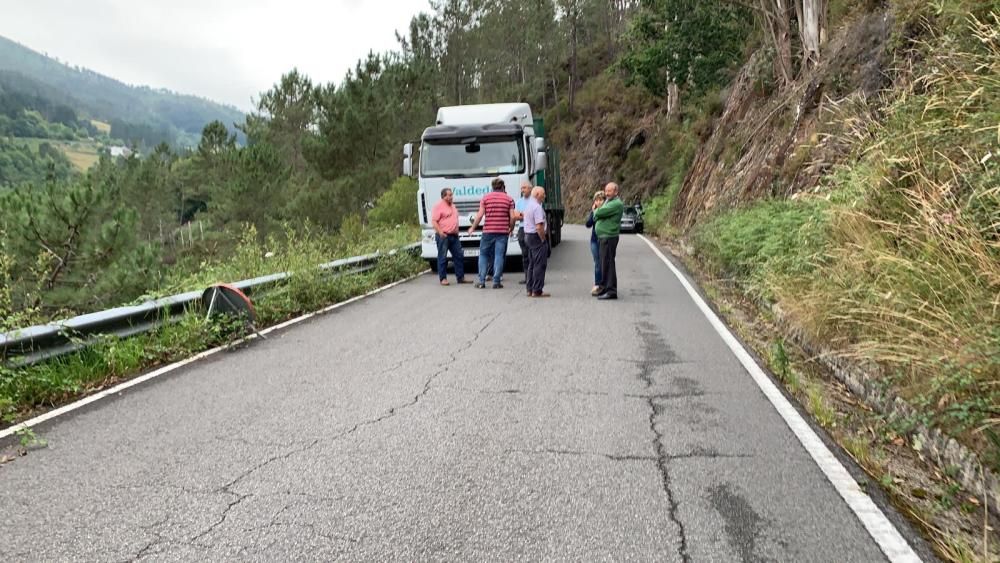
[(408, 160), (541, 161)]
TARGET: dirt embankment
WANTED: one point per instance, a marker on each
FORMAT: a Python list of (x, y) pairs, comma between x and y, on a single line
[(608, 139), (769, 143)]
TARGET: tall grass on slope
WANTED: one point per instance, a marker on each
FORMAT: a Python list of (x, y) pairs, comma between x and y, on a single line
[(26, 390), (911, 278)]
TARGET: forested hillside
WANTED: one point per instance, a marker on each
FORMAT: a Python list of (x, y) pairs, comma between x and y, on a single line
[(140, 115), (833, 158), (323, 155)]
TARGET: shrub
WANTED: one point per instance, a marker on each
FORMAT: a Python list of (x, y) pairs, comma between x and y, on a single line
[(397, 206), (768, 243)]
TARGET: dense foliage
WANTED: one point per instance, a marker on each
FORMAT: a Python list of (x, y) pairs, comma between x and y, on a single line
[(21, 164), (690, 43)]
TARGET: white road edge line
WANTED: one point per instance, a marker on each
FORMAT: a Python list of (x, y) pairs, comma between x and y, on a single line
[(177, 365), (888, 538)]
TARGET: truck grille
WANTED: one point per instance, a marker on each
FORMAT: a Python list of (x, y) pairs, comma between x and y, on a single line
[(466, 207)]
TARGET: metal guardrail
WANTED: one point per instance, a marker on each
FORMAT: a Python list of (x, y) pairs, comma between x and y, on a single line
[(37, 343)]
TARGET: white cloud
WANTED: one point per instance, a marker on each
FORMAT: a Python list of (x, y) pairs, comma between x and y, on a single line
[(226, 50)]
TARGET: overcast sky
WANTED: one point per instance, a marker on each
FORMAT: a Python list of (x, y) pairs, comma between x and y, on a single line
[(225, 50)]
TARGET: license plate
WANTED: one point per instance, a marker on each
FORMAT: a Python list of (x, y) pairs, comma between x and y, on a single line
[(470, 252)]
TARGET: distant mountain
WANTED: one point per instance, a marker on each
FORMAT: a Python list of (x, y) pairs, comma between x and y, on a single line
[(136, 110)]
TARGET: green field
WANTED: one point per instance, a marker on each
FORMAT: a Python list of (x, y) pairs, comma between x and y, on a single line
[(101, 126), (82, 154)]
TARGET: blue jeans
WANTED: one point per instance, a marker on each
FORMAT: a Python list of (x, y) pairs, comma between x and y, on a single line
[(451, 244), (595, 251), (493, 246)]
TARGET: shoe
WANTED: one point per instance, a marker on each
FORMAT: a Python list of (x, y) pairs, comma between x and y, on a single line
[(445, 282), (498, 286), (596, 290), (607, 296), (530, 294), (598, 293), (480, 285), (542, 294), (489, 278), (522, 282), (463, 281)]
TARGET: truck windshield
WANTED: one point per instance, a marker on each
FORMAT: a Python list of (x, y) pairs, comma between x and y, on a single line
[(477, 157)]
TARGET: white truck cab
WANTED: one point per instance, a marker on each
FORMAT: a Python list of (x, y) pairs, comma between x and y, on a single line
[(465, 150)]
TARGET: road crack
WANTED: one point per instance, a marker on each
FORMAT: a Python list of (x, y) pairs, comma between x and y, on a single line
[(662, 460), (578, 453), (222, 519), (667, 396), (227, 489), (711, 453), (442, 369), (238, 498)]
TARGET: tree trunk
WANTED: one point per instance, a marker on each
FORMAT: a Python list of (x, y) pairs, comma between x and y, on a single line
[(777, 21), (612, 29), (572, 62), (812, 29), (673, 97)]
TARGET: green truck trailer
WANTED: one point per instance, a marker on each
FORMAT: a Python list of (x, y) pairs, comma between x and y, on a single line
[(548, 178)]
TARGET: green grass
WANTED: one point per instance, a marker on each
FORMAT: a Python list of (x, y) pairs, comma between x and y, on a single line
[(49, 384), (101, 126), (81, 154), (52, 383), (766, 243)]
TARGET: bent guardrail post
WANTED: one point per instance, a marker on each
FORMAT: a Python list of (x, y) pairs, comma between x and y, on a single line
[(37, 343)]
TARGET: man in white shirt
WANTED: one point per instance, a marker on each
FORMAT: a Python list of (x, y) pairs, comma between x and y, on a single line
[(536, 235)]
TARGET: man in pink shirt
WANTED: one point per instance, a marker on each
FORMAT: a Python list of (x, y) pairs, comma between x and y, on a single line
[(444, 218)]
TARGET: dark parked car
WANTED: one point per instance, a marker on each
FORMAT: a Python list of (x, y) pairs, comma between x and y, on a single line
[(632, 220)]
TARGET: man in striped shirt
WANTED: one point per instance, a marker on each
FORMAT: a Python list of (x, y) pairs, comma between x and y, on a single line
[(498, 209)]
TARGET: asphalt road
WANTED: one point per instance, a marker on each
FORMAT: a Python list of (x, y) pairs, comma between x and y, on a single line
[(433, 422)]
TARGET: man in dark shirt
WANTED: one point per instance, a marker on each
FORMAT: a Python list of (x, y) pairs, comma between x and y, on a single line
[(498, 209)]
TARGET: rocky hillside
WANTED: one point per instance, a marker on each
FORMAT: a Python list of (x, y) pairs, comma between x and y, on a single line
[(771, 143)]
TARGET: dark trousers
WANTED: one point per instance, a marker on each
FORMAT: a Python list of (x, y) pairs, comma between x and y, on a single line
[(451, 244), (525, 252), (595, 251), (538, 250), (609, 276)]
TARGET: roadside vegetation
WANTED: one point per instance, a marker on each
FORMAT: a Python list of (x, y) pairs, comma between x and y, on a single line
[(28, 390), (858, 189), (895, 257)]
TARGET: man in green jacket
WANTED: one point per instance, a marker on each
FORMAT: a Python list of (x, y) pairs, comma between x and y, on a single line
[(608, 223)]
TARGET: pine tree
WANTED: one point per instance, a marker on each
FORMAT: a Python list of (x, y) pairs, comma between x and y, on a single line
[(78, 243)]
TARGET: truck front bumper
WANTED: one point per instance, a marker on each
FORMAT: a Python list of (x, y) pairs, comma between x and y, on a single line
[(470, 244)]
